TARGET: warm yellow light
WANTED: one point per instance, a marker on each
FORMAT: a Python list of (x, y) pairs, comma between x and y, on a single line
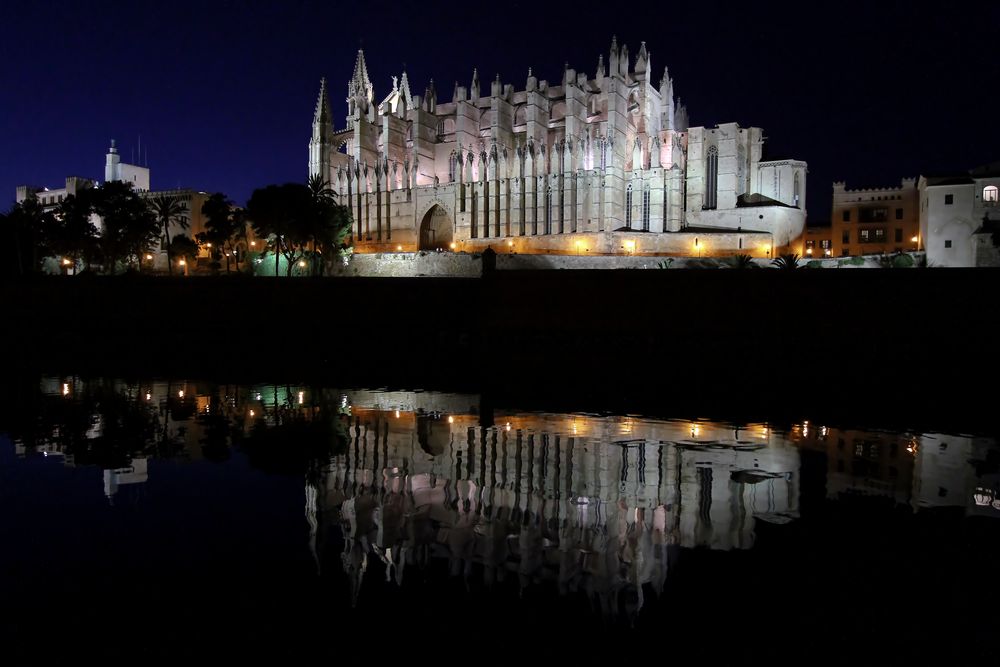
[(148, 396), (397, 414), (809, 251), (507, 426), (451, 245), (209, 245), (695, 430), (451, 420), (149, 256), (399, 248), (180, 394), (253, 243), (251, 413), (65, 389), (827, 252), (182, 262), (66, 262), (302, 395), (510, 244), (630, 246), (915, 239), (301, 263)]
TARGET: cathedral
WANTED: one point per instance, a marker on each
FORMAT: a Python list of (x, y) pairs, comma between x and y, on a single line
[(599, 165)]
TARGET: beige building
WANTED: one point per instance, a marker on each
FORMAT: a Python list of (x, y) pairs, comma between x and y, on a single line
[(874, 221)]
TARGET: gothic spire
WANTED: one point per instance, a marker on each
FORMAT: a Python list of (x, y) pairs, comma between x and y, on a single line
[(360, 76), (322, 114)]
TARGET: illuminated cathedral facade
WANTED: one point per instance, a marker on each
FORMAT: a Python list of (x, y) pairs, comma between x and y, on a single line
[(598, 164)]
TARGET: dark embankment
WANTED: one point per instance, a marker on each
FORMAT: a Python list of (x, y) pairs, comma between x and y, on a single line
[(901, 348)]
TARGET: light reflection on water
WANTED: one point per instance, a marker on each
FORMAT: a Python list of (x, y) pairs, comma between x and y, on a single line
[(590, 504)]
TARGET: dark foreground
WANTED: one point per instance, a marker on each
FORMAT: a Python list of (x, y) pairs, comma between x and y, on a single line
[(878, 347)]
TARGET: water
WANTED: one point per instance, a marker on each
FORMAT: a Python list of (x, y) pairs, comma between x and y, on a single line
[(167, 520)]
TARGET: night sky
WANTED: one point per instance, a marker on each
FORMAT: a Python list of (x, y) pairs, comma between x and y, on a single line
[(222, 93)]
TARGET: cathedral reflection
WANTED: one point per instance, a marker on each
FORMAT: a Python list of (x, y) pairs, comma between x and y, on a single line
[(591, 504)]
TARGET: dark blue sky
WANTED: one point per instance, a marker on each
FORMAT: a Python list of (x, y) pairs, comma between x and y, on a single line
[(222, 93)]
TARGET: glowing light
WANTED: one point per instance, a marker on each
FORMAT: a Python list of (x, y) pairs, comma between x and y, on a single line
[(809, 251), (452, 246), (826, 252), (397, 414), (630, 247), (180, 394), (258, 396), (399, 248), (208, 245), (182, 263), (148, 397), (251, 413), (451, 420), (915, 239), (65, 389), (766, 249), (301, 263), (148, 256), (302, 395), (66, 262), (510, 244), (695, 430), (507, 426), (253, 243)]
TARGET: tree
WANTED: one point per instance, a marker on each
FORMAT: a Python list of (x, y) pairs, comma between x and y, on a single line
[(71, 234), (330, 222), (25, 224), (789, 261), (225, 229), (184, 248), (169, 210), (742, 261), (130, 227), (280, 214)]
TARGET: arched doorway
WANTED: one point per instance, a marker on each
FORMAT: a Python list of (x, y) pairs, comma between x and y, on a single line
[(435, 229)]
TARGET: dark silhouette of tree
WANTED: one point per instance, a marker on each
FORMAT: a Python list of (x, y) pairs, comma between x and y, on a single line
[(169, 210), (281, 214), (330, 223), (70, 234), (25, 225), (183, 247), (788, 261), (225, 229), (742, 261), (130, 227)]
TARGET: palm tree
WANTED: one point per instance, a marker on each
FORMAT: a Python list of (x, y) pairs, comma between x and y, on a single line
[(788, 261), (169, 209), (743, 261)]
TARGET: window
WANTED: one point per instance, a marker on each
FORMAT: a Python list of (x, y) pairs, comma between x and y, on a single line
[(949, 200), (863, 236), (847, 237), (795, 191), (947, 244), (825, 244), (810, 245), (879, 236), (847, 216), (628, 207), (899, 235), (899, 214), (712, 178), (645, 209), (991, 195)]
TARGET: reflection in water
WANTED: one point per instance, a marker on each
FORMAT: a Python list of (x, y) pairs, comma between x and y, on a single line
[(598, 505)]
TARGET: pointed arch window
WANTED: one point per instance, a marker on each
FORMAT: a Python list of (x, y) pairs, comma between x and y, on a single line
[(645, 208), (451, 168), (548, 208), (712, 178), (628, 207)]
